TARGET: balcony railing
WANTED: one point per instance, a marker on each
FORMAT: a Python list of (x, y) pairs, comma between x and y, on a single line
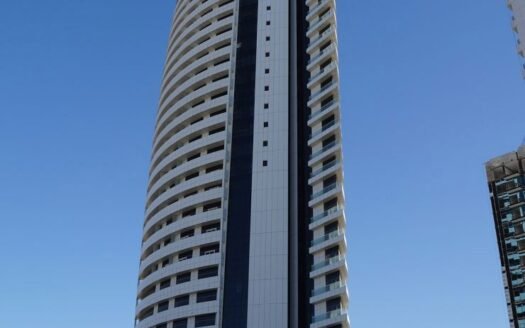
[(328, 288), (323, 129), (322, 71), (324, 168), (327, 237), (325, 214), (320, 36), (321, 53), (328, 315), (322, 109), (318, 21), (322, 150), (323, 89), (327, 262), (324, 191), (320, 3)]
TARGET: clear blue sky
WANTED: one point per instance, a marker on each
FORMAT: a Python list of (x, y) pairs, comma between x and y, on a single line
[(432, 89)]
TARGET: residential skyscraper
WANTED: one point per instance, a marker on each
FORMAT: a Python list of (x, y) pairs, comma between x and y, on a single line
[(245, 223), (506, 177), (518, 25)]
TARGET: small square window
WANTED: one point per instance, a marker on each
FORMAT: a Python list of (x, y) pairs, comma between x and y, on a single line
[(266, 106), (265, 124), (268, 7), (265, 163), (265, 143), (267, 38), (266, 88), (267, 54), (268, 23), (267, 71)]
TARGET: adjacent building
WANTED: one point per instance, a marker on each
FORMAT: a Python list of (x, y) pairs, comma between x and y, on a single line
[(506, 177), (245, 223), (518, 25)]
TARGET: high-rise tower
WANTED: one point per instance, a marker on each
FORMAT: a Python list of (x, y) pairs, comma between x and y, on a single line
[(506, 177), (244, 223), (518, 25)]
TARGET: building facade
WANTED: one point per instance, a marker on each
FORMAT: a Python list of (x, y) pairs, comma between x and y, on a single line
[(518, 25), (506, 177), (245, 223)]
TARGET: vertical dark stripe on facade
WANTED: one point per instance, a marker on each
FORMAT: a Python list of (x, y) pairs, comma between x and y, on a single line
[(235, 302), (503, 248), (304, 213)]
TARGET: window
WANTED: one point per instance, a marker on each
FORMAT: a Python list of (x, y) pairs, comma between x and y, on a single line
[(265, 143), (267, 54), (187, 234), (333, 304), (165, 263), (192, 176), (191, 158), (205, 320), (266, 106), (195, 138), (215, 149), (146, 313), (332, 203), (148, 292), (266, 88), (213, 186), (163, 306), (265, 163), (328, 141), (219, 95), (162, 325), (182, 300), (211, 227), (165, 283), (265, 124), (207, 296), (185, 255), (208, 272), (267, 38), (197, 120), (189, 213), (218, 112), (208, 250), (332, 278), (268, 7), (212, 206), (332, 252), (217, 130), (181, 323), (183, 277), (332, 227), (267, 71), (268, 23), (214, 168)]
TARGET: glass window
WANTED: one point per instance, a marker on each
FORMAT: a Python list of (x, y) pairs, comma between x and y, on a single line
[(205, 320), (182, 300), (207, 296), (208, 272)]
